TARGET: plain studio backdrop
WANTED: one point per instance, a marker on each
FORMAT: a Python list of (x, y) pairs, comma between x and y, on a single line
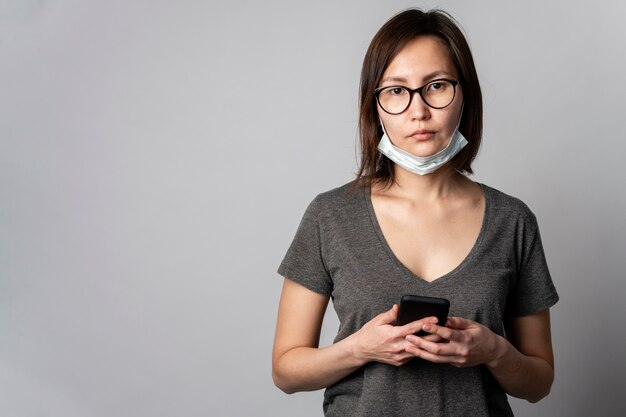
[(156, 158)]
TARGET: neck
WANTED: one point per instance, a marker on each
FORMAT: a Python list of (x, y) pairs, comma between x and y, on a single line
[(441, 184)]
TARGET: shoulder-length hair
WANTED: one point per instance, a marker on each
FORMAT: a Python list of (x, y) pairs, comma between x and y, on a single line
[(387, 43)]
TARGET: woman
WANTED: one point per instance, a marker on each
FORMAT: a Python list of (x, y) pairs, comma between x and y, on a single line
[(413, 223)]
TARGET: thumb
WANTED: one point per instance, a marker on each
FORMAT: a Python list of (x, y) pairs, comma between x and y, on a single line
[(388, 316)]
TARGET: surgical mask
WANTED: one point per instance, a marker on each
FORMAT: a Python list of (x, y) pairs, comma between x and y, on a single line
[(421, 165)]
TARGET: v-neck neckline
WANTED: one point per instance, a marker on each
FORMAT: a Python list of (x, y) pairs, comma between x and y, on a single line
[(367, 194)]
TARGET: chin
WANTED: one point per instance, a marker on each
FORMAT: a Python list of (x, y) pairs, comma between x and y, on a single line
[(424, 150)]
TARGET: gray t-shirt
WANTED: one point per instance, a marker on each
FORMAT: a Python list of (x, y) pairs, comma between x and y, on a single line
[(339, 250)]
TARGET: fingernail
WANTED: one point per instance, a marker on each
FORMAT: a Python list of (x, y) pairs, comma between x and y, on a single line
[(427, 328)]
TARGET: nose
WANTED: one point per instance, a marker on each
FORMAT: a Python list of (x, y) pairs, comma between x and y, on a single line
[(418, 109)]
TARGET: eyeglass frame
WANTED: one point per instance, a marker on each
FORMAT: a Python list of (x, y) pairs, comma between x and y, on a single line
[(416, 90)]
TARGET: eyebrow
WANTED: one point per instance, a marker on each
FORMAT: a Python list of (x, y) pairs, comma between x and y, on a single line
[(426, 77)]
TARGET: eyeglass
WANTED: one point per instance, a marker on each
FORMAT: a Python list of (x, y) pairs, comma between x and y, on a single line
[(396, 99)]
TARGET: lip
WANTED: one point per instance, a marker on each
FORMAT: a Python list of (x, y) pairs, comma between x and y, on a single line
[(422, 134)]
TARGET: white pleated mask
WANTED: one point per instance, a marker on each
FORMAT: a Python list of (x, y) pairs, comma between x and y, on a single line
[(421, 165)]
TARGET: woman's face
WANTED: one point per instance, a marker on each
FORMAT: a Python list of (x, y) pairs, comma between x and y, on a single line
[(420, 129)]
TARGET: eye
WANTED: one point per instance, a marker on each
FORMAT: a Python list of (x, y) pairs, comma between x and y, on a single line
[(437, 86), (394, 91)]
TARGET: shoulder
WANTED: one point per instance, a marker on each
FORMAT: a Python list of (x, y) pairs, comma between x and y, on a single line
[(340, 207), (507, 205), (342, 198)]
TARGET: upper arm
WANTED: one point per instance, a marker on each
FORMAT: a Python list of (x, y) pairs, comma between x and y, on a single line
[(531, 335), (300, 315)]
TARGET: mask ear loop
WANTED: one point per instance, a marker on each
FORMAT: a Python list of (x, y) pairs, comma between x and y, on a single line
[(457, 130), (458, 125), (382, 125)]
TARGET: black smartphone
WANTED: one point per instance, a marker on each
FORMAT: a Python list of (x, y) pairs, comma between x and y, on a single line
[(415, 307)]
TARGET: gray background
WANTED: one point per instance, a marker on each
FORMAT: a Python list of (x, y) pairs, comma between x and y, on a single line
[(156, 158)]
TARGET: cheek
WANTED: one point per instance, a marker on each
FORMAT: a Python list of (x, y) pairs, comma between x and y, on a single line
[(393, 123), (453, 118), (393, 128)]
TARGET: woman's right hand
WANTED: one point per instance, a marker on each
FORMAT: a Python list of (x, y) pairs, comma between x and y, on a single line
[(379, 340)]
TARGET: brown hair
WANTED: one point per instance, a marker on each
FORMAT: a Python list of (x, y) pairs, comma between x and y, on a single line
[(387, 43)]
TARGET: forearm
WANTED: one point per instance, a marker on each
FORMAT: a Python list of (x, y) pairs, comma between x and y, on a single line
[(308, 369), (522, 376)]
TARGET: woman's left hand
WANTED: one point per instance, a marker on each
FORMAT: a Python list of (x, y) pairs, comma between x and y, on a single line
[(469, 344)]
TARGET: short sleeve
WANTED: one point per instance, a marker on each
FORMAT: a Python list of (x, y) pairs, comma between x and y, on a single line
[(303, 262), (534, 290)]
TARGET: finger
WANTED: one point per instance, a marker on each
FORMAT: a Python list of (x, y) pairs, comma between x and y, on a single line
[(439, 349), (401, 360), (459, 323), (416, 326), (388, 316), (429, 356), (430, 337), (441, 331), (433, 338)]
